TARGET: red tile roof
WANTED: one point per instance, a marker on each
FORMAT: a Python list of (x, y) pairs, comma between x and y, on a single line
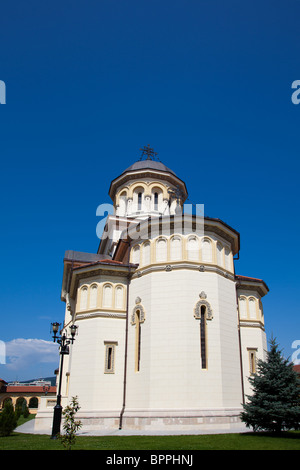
[(28, 389)]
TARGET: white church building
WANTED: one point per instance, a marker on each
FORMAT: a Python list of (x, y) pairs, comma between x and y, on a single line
[(168, 334)]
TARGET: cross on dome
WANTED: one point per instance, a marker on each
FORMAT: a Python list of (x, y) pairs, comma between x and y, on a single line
[(149, 152)]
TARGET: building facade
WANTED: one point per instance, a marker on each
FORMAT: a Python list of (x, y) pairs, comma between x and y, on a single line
[(168, 334), (28, 393)]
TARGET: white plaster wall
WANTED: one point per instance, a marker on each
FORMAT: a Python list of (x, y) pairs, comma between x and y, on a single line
[(95, 389), (171, 377)]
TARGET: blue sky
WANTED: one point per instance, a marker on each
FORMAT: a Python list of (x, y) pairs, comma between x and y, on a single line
[(207, 83)]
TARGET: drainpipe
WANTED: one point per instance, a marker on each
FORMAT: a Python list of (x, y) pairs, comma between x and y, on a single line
[(126, 341)]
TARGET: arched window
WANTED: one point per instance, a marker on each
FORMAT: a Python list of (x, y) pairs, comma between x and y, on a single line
[(146, 253), (243, 307), (252, 308), (156, 201), (137, 318), (140, 201), (107, 295), (193, 248), (203, 337), (161, 250), (137, 340), (220, 254), (119, 297), (122, 203), (204, 313), (138, 198), (206, 250), (83, 298), (93, 296), (136, 254), (157, 198), (176, 249)]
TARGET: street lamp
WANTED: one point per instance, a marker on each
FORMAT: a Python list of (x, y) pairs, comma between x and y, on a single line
[(64, 349)]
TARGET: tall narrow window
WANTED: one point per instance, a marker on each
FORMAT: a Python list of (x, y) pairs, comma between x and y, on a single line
[(137, 318), (109, 358), (203, 337), (110, 351), (156, 201), (122, 204), (137, 340), (139, 201), (252, 360)]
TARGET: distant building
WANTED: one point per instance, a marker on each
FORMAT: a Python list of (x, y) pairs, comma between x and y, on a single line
[(168, 333), (32, 392)]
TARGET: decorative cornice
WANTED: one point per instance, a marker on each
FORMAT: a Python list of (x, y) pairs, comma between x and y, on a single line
[(182, 265), (251, 284), (84, 316), (252, 324)]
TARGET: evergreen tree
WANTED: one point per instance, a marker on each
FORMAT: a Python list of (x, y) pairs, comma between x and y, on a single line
[(8, 419), (275, 403)]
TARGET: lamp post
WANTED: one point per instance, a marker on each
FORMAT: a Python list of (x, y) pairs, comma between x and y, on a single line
[(64, 349)]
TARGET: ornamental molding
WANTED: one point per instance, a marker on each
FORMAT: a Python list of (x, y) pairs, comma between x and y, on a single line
[(86, 316), (155, 267), (138, 307), (252, 324), (197, 309)]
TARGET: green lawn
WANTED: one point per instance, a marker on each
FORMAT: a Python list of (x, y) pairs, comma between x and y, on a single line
[(248, 441)]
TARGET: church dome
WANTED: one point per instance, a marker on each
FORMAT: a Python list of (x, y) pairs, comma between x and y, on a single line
[(151, 164), (147, 188)]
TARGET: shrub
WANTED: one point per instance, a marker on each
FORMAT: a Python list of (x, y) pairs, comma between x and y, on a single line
[(8, 420), (70, 426)]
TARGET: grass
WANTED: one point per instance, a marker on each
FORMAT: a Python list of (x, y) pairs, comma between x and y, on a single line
[(246, 441)]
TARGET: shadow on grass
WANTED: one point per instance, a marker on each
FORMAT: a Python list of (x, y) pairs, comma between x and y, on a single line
[(283, 434)]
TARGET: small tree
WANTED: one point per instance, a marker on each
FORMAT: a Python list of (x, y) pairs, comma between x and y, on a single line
[(25, 410), (70, 426), (8, 419), (275, 403)]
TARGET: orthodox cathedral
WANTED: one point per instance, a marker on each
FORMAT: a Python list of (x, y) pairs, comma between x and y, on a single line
[(168, 334)]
